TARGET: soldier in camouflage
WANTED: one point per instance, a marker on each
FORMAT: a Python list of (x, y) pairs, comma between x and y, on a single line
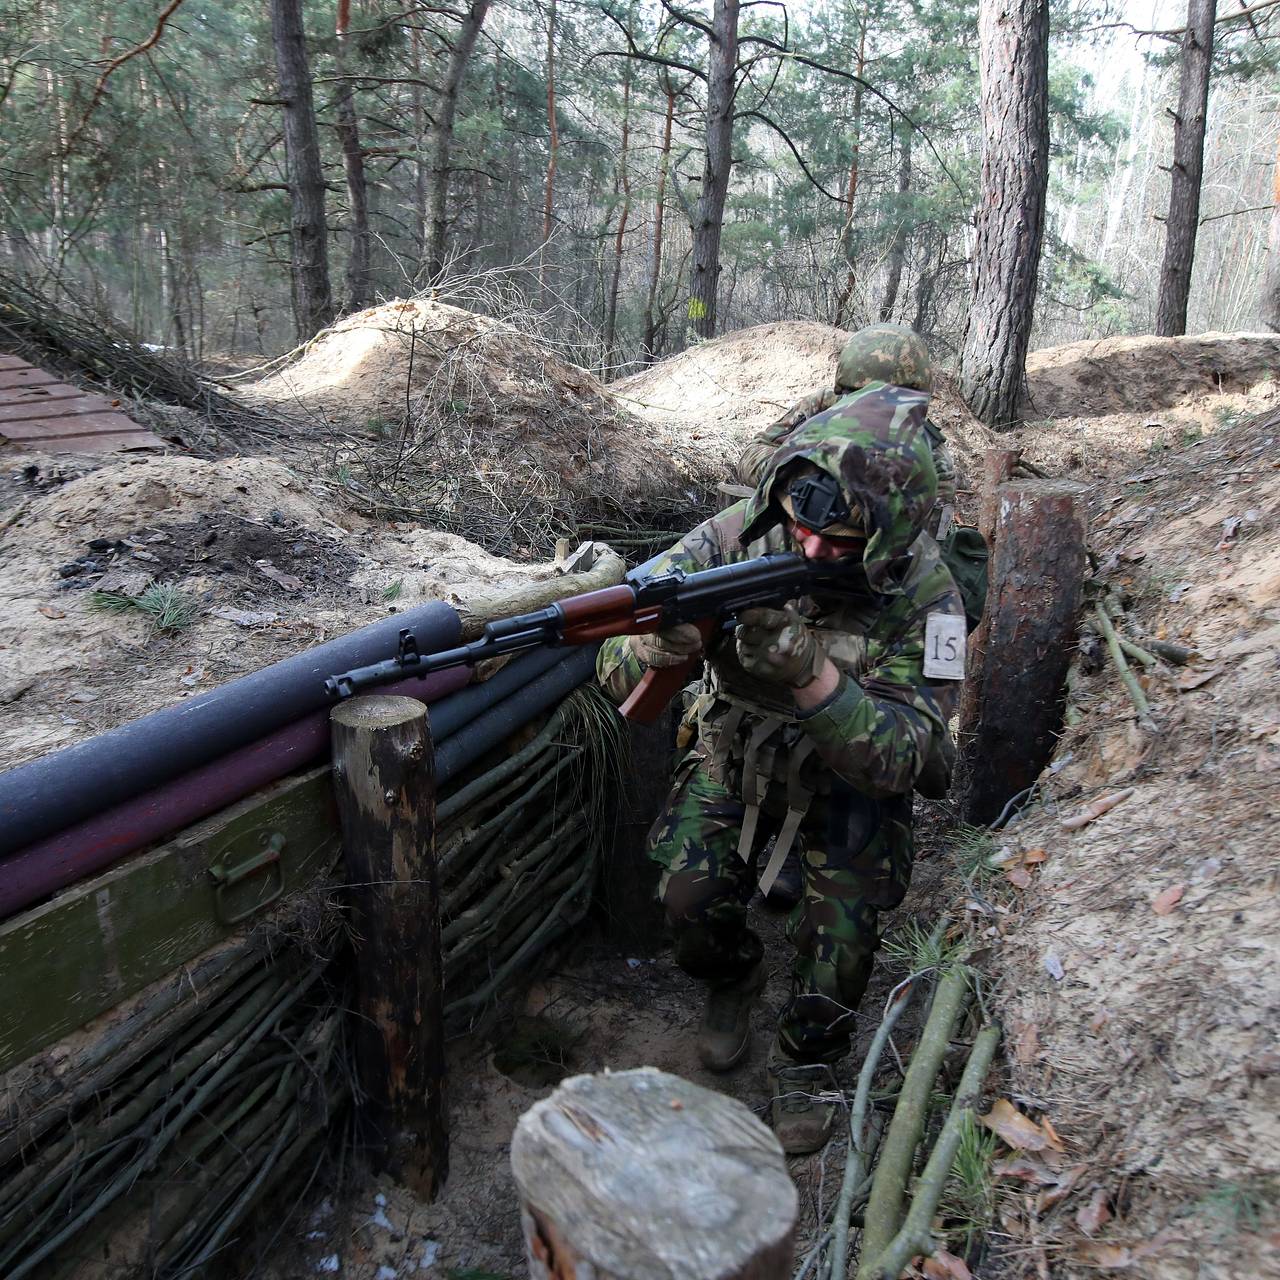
[(811, 726), (890, 353)]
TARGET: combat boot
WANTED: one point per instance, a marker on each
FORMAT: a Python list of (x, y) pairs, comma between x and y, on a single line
[(804, 1101), (726, 1022)]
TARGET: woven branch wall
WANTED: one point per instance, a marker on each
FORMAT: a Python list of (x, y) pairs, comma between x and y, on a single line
[(141, 1145)]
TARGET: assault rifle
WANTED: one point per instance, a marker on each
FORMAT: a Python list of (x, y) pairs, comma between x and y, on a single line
[(645, 603)]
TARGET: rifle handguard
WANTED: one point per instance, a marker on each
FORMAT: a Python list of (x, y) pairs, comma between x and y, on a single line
[(647, 701)]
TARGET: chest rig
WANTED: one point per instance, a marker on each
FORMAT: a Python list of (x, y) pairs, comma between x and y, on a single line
[(755, 742)]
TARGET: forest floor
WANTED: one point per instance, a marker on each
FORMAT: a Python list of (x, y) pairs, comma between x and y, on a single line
[(1135, 963)]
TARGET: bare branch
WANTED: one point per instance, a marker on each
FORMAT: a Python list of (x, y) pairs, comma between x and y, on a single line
[(100, 88), (688, 19), (1172, 33), (1235, 213), (764, 119)]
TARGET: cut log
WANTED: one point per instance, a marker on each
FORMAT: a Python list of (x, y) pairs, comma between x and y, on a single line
[(591, 567), (640, 1175), (384, 778), (1012, 708)]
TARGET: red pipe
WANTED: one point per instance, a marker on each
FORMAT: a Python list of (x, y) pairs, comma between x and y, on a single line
[(91, 846)]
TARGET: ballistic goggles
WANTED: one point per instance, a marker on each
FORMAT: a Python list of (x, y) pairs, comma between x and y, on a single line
[(813, 499)]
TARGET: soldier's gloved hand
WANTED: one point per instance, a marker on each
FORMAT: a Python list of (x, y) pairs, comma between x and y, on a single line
[(668, 647), (777, 644)]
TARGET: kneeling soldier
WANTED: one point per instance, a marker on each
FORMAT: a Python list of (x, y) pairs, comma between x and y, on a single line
[(812, 725)]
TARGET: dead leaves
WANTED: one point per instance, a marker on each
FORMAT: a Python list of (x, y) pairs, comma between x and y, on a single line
[(1193, 679), (945, 1266), (1095, 1212), (1163, 903), (1019, 1131), (286, 580), (51, 611)]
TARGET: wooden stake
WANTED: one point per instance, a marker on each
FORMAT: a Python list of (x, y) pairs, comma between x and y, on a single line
[(1011, 706), (997, 468), (640, 1175), (384, 779)]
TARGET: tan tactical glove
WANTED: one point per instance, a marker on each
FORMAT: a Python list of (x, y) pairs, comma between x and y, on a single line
[(777, 644), (669, 647)]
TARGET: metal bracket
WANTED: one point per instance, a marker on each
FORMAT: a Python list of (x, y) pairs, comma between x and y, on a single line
[(225, 877)]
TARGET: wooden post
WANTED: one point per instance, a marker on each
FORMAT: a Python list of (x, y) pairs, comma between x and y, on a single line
[(384, 779), (630, 878), (1011, 710), (640, 1175), (997, 467)]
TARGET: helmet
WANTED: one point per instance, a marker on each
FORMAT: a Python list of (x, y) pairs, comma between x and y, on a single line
[(885, 353), (869, 474)]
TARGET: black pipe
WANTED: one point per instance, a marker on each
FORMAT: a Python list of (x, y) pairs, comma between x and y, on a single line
[(500, 721), (459, 709), (61, 789)]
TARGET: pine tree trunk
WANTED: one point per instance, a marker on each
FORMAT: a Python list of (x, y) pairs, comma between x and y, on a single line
[(624, 181), (1188, 168), (359, 286), (312, 298), (1270, 308), (420, 165), (898, 245), (553, 149), (464, 44), (851, 195), (718, 160), (649, 342), (1014, 63)]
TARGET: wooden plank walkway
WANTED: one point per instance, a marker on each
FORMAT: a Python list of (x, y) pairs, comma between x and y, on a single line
[(39, 412)]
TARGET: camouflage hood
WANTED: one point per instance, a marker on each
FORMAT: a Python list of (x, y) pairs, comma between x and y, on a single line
[(873, 442)]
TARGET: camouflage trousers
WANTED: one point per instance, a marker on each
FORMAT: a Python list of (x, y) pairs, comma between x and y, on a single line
[(856, 857)]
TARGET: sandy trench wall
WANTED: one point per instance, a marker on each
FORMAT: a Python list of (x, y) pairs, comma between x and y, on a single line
[(1144, 373), (1139, 974)]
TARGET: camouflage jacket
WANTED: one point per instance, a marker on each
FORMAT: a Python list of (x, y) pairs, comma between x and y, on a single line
[(885, 718), (761, 448)]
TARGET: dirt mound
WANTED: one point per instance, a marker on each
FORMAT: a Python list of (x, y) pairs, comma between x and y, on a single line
[(262, 569), (1141, 374), (475, 426), (722, 392), (1140, 974)]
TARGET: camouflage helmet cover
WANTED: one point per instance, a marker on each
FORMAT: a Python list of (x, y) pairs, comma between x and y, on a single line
[(873, 442), (890, 353)]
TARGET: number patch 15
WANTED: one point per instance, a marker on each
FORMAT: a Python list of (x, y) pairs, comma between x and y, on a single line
[(944, 635)]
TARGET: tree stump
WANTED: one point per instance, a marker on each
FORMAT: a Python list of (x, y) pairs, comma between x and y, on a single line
[(641, 1175), (1011, 711), (384, 778)]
